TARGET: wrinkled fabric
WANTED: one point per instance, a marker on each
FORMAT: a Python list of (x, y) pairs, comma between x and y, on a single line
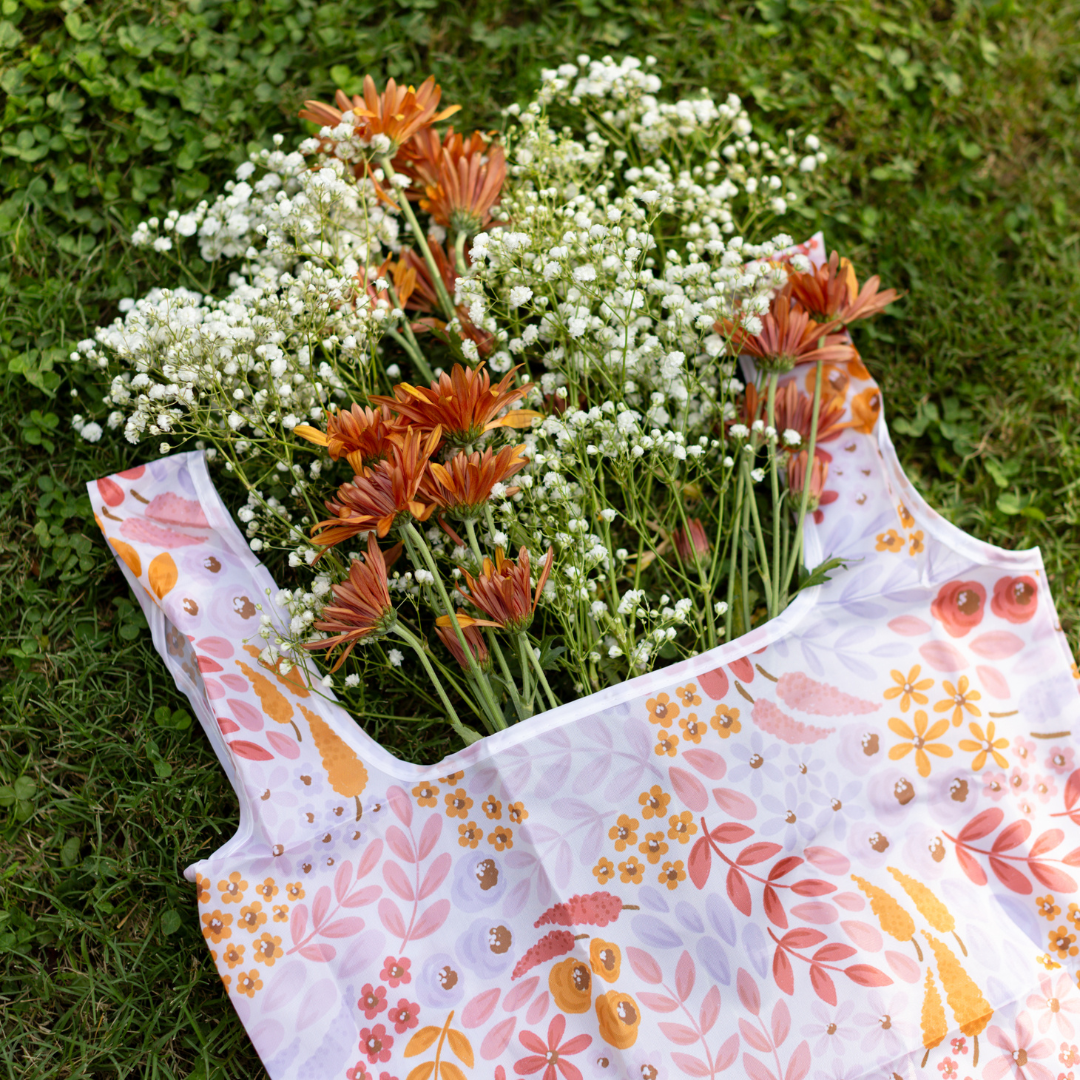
[(843, 845)]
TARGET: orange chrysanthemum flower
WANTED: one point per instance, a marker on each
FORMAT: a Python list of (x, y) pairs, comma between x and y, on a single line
[(468, 183), (419, 158), (360, 434), (464, 404), (361, 610), (381, 497), (797, 479), (832, 292), (474, 638), (795, 410), (463, 485), (398, 112), (503, 592), (788, 337)]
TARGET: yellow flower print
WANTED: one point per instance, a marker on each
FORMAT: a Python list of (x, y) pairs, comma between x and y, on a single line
[(216, 926), (959, 700), (915, 543), (281, 913), (890, 541), (688, 695), (662, 710), (631, 871), (1073, 915), (682, 827), (516, 812), (983, 746), (247, 982), (1046, 907), (233, 955), (295, 890), (426, 794), (453, 778), (226, 982), (692, 728), (458, 803), (910, 687), (653, 802), (251, 917), (906, 520), (604, 871), (624, 832), (492, 807), (920, 740), (470, 834), (502, 837), (726, 721), (672, 873), (1046, 962), (1063, 943), (666, 744), (653, 846), (232, 891), (267, 949), (267, 890), (202, 889)]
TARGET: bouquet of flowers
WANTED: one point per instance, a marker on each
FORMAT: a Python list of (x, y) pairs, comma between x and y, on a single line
[(482, 389)]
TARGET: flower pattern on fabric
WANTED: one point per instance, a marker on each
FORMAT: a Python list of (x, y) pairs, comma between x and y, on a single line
[(845, 841)]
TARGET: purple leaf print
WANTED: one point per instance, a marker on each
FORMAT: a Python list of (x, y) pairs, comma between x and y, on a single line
[(656, 933), (318, 1001), (288, 982), (363, 951), (684, 976)]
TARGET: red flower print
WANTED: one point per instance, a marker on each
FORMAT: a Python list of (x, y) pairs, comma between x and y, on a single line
[(358, 1072), (376, 1043), (959, 606), (372, 1001), (404, 1015), (552, 1056), (947, 1068), (396, 972), (1015, 598)]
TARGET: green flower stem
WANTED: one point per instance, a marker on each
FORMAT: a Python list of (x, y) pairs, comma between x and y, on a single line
[(496, 721), (704, 584), (736, 526), (421, 242), (527, 650), (804, 502), (408, 341), (467, 734), (774, 479), (493, 642), (744, 548), (460, 240), (762, 551)]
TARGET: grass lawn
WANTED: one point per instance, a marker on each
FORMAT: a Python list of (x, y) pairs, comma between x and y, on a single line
[(956, 139)]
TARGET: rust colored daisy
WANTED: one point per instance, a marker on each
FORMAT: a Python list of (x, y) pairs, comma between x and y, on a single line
[(469, 180), (503, 592), (463, 485), (796, 411), (686, 546), (788, 337), (360, 434), (382, 496), (399, 112), (832, 292), (477, 645), (796, 474), (464, 404), (419, 158), (361, 609)]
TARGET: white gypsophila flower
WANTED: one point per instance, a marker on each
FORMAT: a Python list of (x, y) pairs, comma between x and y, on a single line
[(396, 657), (520, 294), (791, 437)]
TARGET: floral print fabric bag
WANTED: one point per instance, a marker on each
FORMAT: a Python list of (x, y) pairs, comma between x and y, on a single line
[(846, 843)]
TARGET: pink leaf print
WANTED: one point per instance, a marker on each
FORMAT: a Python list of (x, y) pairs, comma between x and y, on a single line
[(942, 656), (343, 928), (400, 844), (903, 967), (781, 1022), (799, 691), (770, 719), (171, 509), (401, 805), (727, 1053), (215, 646), (748, 992), (429, 835), (520, 994), (735, 803), (236, 683), (436, 875), (431, 920), (657, 1002), (707, 762), (817, 911), (227, 726), (849, 901), (645, 967), (110, 491), (479, 1009), (250, 750), (710, 1010), (391, 917), (689, 789), (908, 626), (692, 1066), (831, 862), (714, 683), (144, 533), (684, 976), (397, 881), (298, 923), (285, 746), (863, 934), (320, 906), (679, 1034), (342, 881), (538, 1009), (756, 1070), (362, 897), (996, 645), (323, 954), (993, 682), (498, 1039), (799, 1065), (370, 859), (700, 862)]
